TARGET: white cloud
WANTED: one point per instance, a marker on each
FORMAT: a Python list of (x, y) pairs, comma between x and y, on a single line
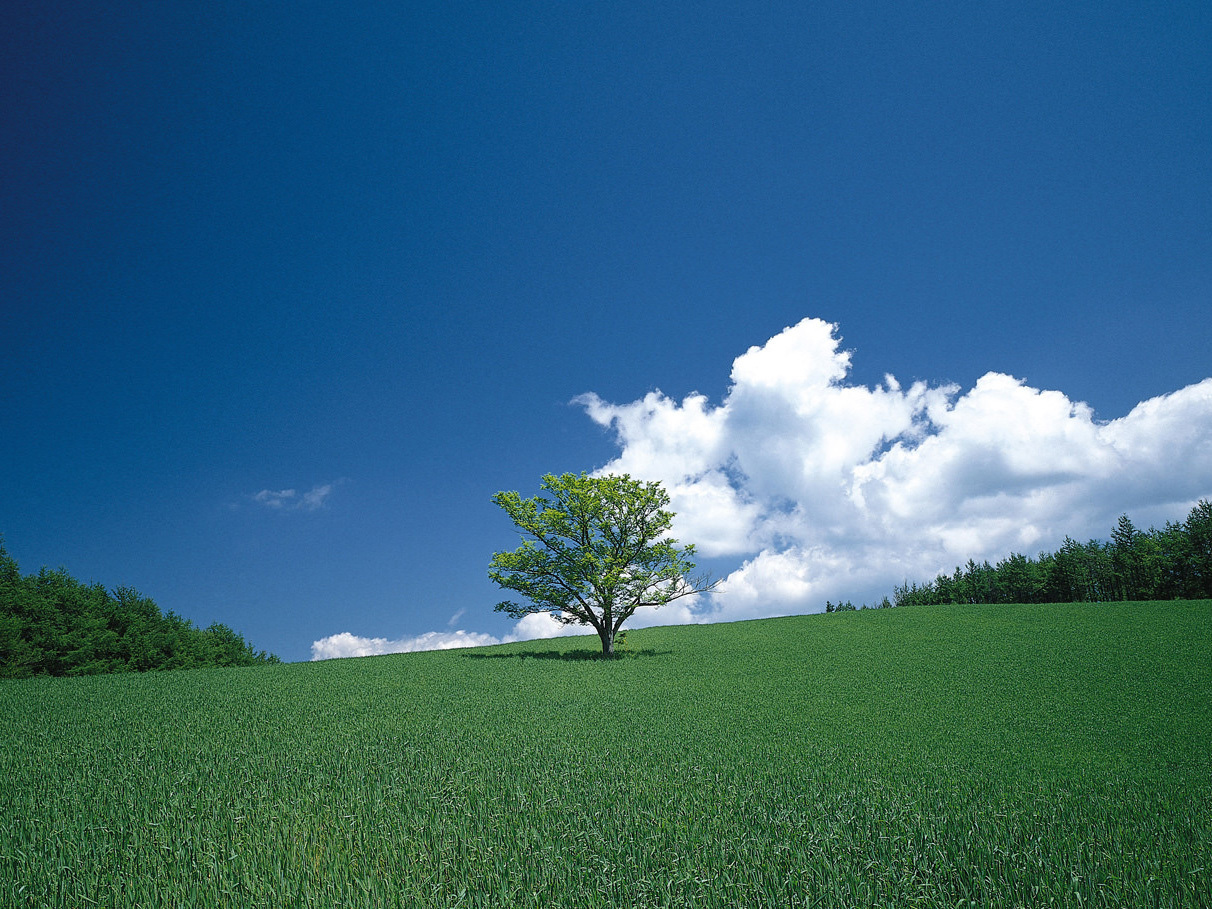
[(838, 491), (351, 645), (529, 628), (540, 625), (281, 498), (662, 439), (292, 500), (315, 497), (536, 626)]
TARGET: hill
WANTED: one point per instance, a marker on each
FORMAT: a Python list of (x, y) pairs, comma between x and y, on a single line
[(1005, 755)]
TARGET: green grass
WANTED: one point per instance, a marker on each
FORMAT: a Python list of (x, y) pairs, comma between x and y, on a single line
[(943, 756)]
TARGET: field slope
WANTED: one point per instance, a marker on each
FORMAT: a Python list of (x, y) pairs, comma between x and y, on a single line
[(1003, 755)]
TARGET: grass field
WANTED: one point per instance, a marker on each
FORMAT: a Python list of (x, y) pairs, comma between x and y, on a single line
[(944, 756)]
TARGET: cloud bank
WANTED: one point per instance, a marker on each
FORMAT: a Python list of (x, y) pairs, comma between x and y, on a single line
[(351, 645), (345, 644), (829, 490), (821, 489), (529, 628)]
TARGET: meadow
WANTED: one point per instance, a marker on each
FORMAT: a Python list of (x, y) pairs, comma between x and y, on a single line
[(1045, 755)]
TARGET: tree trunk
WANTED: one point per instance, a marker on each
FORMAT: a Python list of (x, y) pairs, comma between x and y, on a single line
[(607, 637)]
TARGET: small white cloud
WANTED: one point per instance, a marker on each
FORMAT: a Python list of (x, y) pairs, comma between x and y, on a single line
[(529, 628), (314, 498), (281, 498), (540, 625), (291, 500), (345, 644)]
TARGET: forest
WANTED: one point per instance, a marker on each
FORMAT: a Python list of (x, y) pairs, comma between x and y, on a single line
[(53, 625), (1174, 562)]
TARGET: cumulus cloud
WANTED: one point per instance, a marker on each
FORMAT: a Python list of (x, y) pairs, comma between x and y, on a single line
[(292, 500), (828, 489)]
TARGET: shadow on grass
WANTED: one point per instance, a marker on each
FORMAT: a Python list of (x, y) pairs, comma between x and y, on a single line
[(568, 655)]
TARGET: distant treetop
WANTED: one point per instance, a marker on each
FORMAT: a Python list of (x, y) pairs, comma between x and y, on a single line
[(51, 624)]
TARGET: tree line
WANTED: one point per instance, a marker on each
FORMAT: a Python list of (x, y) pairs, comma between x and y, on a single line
[(52, 624), (1174, 562)]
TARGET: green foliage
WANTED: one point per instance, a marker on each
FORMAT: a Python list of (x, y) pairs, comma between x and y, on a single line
[(1172, 563), (593, 552), (51, 624), (991, 756)]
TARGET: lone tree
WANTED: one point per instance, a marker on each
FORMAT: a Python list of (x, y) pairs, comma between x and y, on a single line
[(593, 552)]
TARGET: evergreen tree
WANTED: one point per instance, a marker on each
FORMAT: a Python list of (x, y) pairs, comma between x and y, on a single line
[(1125, 556), (1135, 565), (1199, 540), (51, 624)]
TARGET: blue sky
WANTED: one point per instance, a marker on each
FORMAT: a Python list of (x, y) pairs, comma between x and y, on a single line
[(374, 254)]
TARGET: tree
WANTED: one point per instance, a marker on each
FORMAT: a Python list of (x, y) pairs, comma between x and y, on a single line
[(593, 552), (1126, 557), (1199, 537)]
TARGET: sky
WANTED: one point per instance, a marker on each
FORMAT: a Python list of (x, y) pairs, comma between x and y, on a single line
[(288, 291)]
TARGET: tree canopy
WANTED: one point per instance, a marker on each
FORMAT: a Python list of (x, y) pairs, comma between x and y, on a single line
[(594, 550), (52, 624), (1174, 562)]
